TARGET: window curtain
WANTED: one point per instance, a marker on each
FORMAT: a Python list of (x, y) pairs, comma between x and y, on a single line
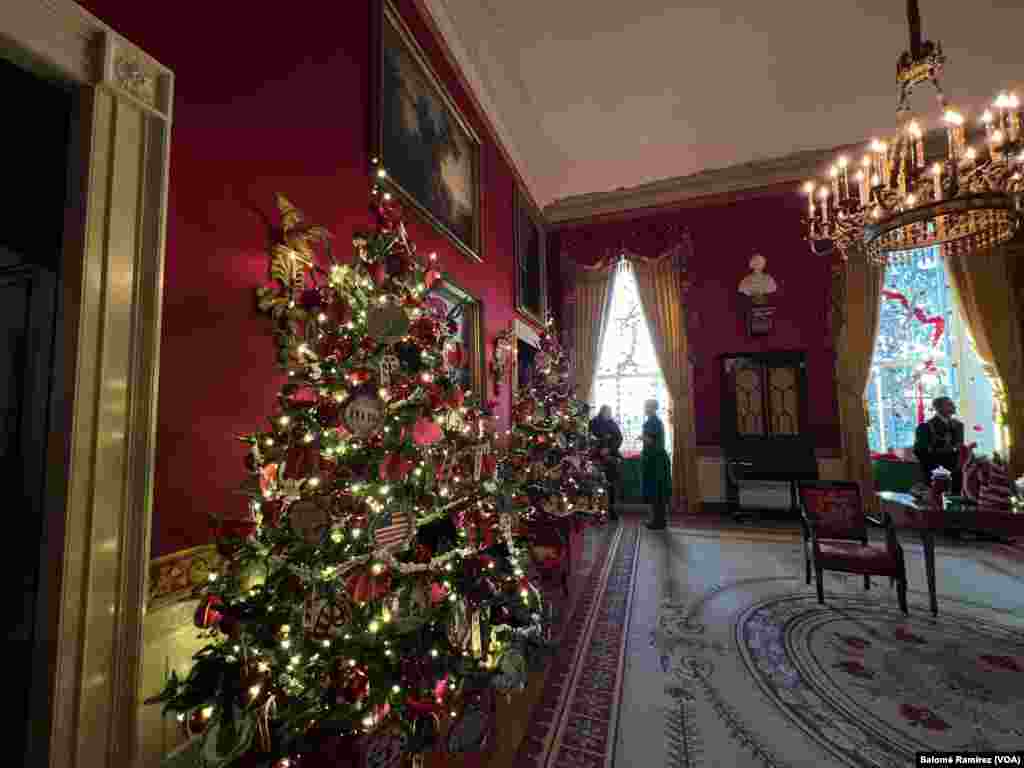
[(593, 305), (856, 326), (986, 290), (660, 284)]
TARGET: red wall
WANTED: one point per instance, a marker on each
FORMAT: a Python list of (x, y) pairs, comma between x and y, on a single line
[(726, 233), (267, 100)]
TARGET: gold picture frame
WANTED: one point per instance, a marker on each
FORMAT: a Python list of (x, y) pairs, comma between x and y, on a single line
[(430, 152), (530, 246), (471, 328)]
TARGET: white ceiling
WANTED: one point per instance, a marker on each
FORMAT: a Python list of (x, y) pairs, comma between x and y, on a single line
[(596, 96)]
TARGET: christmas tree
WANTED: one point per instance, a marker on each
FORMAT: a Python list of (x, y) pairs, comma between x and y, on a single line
[(547, 467), (372, 581)]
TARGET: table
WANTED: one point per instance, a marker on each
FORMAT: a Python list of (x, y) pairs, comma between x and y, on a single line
[(909, 514), (895, 475)]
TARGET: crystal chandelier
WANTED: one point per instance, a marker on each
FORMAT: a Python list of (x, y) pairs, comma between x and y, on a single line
[(957, 187)]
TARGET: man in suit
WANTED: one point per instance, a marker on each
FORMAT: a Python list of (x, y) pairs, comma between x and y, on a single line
[(937, 443), (609, 439)]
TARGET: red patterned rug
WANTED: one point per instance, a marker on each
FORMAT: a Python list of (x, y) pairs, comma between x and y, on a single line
[(573, 725)]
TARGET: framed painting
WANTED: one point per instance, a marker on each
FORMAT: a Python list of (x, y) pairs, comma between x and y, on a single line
[(449, 301), (527, 347), (430, 152), (531, 267)]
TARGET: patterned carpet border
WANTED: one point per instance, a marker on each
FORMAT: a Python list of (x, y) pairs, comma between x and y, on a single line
[(573, 724)]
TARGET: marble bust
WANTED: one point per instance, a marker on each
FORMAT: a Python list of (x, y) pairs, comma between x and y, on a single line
[(758, 284)]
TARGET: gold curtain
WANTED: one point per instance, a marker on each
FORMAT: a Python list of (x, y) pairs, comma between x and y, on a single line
[(660, 284), (593, 303), (856, 325), (985, 286)]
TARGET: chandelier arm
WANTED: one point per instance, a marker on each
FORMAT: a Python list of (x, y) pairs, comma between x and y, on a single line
[(914, 22)]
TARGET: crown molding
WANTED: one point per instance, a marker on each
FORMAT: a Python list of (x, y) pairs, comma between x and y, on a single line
[(793, 168), (479, 91)]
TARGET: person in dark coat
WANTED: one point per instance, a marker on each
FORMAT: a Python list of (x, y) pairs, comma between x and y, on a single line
[(609, 439), (937, 443), (657, 471)]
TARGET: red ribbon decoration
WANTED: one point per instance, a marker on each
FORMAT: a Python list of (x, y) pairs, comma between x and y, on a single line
[(938, 324), (937, 321)]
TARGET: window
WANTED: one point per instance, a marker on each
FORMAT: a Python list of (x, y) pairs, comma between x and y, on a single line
[(910, 368), (628, 372)]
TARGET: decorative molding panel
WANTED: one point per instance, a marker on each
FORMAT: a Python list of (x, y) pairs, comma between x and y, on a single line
[(170, 640), (794, 168), (177, 576), (106, 372)]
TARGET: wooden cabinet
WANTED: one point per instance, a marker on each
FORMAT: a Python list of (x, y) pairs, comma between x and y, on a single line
[(764, 422)]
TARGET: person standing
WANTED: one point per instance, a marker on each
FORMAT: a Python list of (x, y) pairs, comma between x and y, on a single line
[(609, 439), (937, 443), (657, 471)]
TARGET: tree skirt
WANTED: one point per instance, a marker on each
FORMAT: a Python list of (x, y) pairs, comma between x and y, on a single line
[(736, 663)]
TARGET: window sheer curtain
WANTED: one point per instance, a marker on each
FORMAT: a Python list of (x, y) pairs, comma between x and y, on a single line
[(856, 329), (660, 284), (590, 320), (987, 291)]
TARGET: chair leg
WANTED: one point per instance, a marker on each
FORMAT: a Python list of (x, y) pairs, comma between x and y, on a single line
[(807, 562), (901, 594), (821, 586), (867, 582)]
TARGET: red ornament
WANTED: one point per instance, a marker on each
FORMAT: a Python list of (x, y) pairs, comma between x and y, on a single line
[(368, 345), (431, 277), (394, 468), (360, 376), (268, 477), (364, 585), (438, 593), (490, 464), (424, 331), (426, 432), (302, 459), (207, 615), (378, 272), (302, 398), (456, 355)]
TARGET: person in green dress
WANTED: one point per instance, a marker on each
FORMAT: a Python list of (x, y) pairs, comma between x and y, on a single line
[(657, 472)]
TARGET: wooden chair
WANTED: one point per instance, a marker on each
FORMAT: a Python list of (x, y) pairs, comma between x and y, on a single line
[(835, 537)]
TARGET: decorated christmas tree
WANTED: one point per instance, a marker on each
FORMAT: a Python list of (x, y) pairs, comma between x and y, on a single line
[(371, 583), (546, 464)]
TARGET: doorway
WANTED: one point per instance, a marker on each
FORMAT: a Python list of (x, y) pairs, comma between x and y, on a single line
[(31, 238), (94, 300)]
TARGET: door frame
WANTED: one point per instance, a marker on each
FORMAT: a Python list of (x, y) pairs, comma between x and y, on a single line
[(96, 542)]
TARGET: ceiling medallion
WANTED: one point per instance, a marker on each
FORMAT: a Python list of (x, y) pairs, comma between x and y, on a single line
[(962, 195)]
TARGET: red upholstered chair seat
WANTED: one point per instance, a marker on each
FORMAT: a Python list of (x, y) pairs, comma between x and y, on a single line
[(854, 557)]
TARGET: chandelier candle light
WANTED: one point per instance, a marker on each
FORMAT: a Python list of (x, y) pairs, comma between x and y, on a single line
[(925, 188)]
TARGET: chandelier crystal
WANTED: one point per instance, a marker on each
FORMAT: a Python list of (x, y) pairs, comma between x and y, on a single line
[(956, 184)]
